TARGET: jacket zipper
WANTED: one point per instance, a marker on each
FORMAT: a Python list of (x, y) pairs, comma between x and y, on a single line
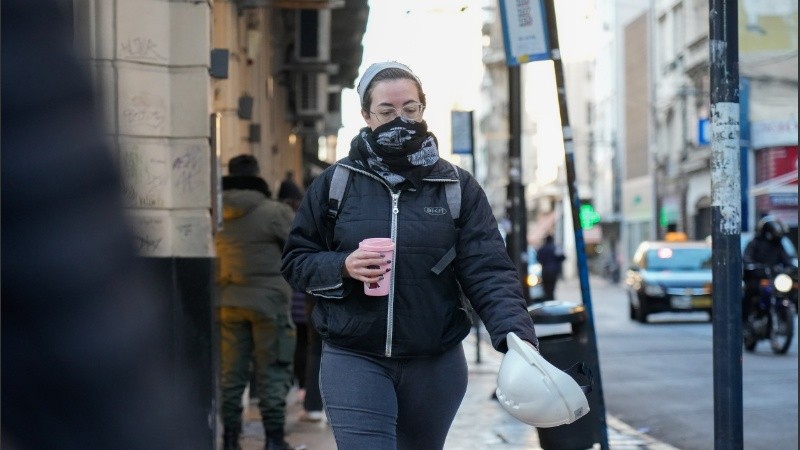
[(395, 213), (390, 310)]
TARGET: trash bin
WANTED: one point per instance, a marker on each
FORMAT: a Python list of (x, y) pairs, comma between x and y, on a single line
[(564, 350)]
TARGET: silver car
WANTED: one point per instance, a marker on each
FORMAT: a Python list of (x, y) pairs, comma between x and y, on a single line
[(669, 277)]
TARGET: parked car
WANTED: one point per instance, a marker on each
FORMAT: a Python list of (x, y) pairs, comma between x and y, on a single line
[(669, 277), (534, 281)]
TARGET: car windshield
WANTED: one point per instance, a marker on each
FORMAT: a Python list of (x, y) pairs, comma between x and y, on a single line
[(679, 259)]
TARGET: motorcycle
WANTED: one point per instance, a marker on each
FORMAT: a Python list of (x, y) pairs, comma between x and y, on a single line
[(772, 312)]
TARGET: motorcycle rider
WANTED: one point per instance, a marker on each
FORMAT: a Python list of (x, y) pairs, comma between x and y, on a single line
[(764, 251)]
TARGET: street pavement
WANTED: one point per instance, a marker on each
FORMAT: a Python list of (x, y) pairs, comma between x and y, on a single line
[(481, 423)]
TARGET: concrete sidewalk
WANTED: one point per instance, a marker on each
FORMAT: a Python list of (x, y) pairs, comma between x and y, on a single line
[(481, 423)]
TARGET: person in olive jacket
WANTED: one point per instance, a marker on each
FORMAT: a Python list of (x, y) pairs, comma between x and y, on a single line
[(393, 370), (255, 325)]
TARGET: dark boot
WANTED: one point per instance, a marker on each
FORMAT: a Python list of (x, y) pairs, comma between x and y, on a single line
[(282, 445), (230, 437), (276, 441)]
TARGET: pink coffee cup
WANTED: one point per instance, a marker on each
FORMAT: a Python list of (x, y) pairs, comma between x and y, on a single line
[(386, 247)]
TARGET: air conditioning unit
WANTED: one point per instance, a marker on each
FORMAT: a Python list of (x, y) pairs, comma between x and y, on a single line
[(311, 94), (333, 120), (313, 35)]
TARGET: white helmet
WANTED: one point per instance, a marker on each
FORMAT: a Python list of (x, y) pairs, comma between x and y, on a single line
[(535, 391)]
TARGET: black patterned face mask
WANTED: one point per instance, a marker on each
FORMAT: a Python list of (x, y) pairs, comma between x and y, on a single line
[(398, 150), (403, 144), (400, 135)]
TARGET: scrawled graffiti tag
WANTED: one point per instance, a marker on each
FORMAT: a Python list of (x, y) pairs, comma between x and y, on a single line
[(150, 234), (146, 244), (186, 169), (146, 110), (191, 235), (142, 48), (184, 229), (142, 185)]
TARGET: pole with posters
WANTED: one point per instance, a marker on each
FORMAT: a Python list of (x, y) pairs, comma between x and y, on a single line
[(723, 39), (530, 34), (524, 40)]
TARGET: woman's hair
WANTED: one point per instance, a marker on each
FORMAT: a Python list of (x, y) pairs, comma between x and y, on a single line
[(389, 74)]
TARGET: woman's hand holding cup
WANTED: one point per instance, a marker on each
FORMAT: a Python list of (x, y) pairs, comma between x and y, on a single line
[(370, 263)]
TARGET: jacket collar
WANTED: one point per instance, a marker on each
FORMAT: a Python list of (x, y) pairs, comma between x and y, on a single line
[(441, 171)]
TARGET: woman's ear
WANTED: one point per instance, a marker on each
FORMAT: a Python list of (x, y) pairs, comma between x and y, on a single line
[(365, 115)]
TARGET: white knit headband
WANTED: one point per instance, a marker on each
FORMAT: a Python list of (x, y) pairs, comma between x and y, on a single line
[(374, 69)]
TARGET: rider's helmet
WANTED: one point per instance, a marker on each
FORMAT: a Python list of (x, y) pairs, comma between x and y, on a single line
[(536, 392), (771, 228)]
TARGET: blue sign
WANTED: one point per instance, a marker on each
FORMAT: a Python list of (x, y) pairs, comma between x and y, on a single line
[(703, 132), (744, 149), (461, 128), (524, 31)]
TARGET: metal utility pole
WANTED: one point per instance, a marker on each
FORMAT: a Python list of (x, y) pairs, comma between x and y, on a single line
[(683, 183), (726, 224), (583, 268), (518, 239), (655, 164)]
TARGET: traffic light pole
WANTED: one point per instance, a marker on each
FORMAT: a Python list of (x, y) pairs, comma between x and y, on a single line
[(726, 224), (583, 270)]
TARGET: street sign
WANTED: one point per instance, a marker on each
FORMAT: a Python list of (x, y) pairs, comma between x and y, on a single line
[(703, 132), (524, 31), (461, 128)]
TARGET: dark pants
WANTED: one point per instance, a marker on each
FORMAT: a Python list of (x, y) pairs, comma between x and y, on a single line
[(750, 298), (549, 280), (266, 342), (377, 403), (301, 354), (313, 398)]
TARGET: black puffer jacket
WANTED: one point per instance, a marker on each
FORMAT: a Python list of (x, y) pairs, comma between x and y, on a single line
[(423, 314)]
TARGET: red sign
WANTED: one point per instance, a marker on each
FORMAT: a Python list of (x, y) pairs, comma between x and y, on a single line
[(774, 162)]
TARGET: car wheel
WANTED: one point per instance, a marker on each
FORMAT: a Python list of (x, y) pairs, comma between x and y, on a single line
[(642, 312)]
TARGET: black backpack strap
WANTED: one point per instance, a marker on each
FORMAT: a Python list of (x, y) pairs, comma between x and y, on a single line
[(453, 193), (341, 174)]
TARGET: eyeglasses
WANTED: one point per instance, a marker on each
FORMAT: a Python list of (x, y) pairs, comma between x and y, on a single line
[(411, 111)]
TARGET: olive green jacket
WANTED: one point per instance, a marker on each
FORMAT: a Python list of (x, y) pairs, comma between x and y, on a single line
[(249, 250)]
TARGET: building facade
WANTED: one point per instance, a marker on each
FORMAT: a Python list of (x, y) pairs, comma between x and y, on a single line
[(768, 113), (185, 86)]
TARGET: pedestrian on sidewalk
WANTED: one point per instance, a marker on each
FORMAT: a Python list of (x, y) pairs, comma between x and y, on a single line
[(309, 347), (393, 370), (551, 258), (254, 303)]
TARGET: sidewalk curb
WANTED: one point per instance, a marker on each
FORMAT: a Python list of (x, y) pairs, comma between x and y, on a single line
[(625, 429)]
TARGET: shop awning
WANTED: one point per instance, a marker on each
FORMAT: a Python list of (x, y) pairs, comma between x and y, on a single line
[(782, 184)]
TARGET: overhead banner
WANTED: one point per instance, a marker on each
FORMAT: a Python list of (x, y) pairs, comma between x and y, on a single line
[(524, 31)]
